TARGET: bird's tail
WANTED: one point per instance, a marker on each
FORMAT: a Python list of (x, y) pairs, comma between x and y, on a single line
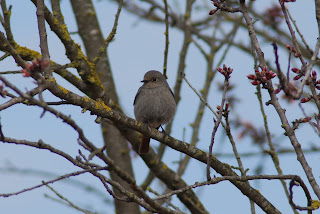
[(144, 145)]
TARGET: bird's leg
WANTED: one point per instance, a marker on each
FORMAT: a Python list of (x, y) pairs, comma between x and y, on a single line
[(162, 129)]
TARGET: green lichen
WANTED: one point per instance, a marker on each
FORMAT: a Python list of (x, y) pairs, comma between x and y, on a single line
[(65, 91), (26, 53), (91, 13), (100, 105), (315, 204), (165, 167), (65, 32), (153, 162)]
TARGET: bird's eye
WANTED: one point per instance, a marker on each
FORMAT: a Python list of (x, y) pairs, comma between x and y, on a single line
[(154, 79)]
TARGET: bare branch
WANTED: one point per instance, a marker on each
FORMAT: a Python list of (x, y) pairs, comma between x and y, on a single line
[(43, 37)]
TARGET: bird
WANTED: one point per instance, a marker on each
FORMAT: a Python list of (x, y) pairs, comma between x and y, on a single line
[(154, 104)]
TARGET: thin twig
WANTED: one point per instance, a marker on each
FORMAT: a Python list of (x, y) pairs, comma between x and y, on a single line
[(6, 20), (216, 124), (293, 182), (21, 99), (68, 202), (166, 50), (272, 151), (12, 51), (113, 32), (315, 128), (51, 181), (274, 99), (225, 178), (43, 38), (10, 72), (199, 95), (299, 32), (166, 199)]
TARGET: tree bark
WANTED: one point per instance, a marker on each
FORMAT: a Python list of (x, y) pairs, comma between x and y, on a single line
[(116, 146)]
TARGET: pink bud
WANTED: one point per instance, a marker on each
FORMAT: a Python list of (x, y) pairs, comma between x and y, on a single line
[(25, 73), (264, 79), (277, 91), (265, 68), (296, 70), (212, 12), (314, 75), (29, 66), (304, 100), (255, 82), (289, 47), (252, 77), (297, 77), (297, 54), (306, 119)]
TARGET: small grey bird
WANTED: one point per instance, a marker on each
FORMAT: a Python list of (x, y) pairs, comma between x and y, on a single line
[(154, 104)]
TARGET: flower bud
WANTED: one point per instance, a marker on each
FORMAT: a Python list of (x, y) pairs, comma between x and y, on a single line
[(264, 79), (306, 119), (304, 100), (273, 75), (252, 77), (255, 82), (220, 70), (296, 70), (314, 75), (25, 73), (277, 91), (227, 105), (297, 54), (289, 47), (297, 77)]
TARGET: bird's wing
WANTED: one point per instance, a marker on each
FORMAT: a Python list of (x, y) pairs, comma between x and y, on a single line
[(172, 93), (138, 93)]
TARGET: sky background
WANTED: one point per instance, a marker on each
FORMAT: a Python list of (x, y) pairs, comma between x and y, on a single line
[(137, 48)]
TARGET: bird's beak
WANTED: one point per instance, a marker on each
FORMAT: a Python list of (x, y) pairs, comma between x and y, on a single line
[(144, 81)]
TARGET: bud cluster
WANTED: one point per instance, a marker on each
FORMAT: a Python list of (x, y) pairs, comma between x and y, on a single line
[(216, 3), (304, 120), (296, 54), (313, 77), (226, 106), (225, 71), (36, 66), (261, 77)]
